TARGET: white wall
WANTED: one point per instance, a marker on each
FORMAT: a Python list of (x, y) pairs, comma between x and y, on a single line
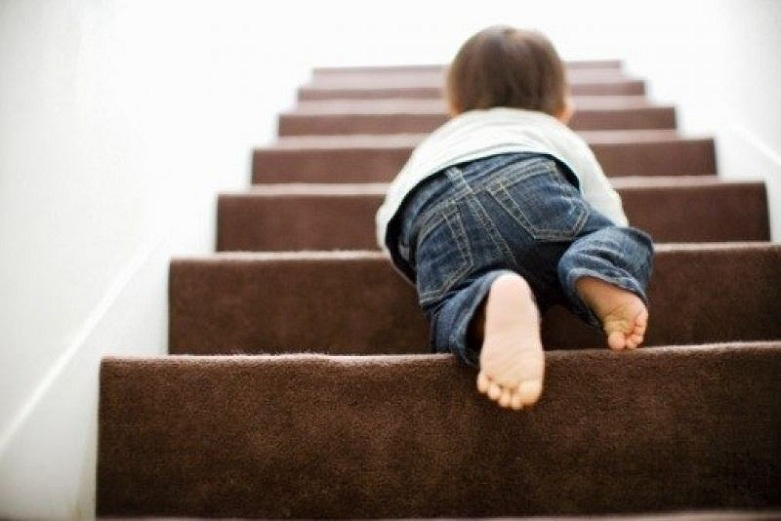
[(720, 63), (120, 121)]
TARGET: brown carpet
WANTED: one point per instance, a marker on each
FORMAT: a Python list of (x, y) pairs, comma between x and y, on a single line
[(298, 386), (400, 119), (376, 159), (285, 217), (277, 302), (306, 436)]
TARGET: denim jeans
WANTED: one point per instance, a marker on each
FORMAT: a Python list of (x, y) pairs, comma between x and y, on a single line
[(463, 227)]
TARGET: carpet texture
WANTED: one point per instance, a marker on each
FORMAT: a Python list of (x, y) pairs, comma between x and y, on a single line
[(275, 302), (298, 383), (316, 121), (340, 216), (376, 159), (627, 87), (301, 436)]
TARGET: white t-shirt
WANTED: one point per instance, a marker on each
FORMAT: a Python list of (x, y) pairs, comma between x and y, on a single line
[(482, 133)]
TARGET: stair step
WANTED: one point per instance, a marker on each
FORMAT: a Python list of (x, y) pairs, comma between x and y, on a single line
[(437, 106), (377, 159), (626, 87), (436, 78), (571, 66), (355, 303), (306, 437), (404, 120), (337, 216)]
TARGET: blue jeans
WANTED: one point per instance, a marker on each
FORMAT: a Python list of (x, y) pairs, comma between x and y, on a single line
[(463, 227)]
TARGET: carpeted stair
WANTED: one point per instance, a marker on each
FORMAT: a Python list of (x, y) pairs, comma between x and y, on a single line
[(308, 216), (299, 383)]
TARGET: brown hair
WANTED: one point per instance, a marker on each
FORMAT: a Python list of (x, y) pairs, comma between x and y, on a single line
[(506, 67)]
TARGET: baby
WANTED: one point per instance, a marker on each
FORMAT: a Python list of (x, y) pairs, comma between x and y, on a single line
[(504, 211)]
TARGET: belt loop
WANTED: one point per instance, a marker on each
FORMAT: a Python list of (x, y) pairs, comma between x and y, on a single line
[(456, 177)]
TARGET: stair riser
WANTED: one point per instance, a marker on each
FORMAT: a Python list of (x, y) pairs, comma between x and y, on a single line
[(573, 66), (359, 165), (308, 124), (359, 305), (583, 104), (315, 437), (436, 79), (625, 88), (255, 222)]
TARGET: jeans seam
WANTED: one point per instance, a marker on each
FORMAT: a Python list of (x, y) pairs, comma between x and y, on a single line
[(500, 191), (453, 221), (469, 195)]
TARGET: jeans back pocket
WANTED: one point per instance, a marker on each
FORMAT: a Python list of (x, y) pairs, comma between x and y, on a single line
[(540, 199)]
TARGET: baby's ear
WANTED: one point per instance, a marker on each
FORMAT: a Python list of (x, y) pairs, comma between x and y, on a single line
[(567, 111), (452, 109)]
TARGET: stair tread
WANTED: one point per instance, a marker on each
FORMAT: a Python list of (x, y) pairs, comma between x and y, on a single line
[(313, 431), (400, 119), (272, 301), (437, 77), (438, 106), (378, 158), (594, 137), (657, 352), (253, 256), (392, 68), (634, 87), (363, 189), (342, 216), (427, 74), (370, 81), (763, 514)]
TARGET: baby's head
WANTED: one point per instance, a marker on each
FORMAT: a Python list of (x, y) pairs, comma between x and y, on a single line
[(506, 67)]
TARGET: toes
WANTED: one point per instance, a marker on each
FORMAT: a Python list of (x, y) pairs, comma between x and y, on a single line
[(505, 398), (619, 341), (529, 391), (634, 341), (641, 320), (483, 383), (494, 391), (616, 340), (516, 402), (626, 324), (637, 336), (525, 394), (640, 328), (502, 395)]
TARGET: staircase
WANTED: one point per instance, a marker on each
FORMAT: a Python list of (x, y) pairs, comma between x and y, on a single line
[(299, 383)]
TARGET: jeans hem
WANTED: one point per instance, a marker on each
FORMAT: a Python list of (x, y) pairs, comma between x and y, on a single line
[(467, 300)]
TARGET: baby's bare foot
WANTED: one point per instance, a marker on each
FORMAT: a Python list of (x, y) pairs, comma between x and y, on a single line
[(511, 360), (623, 314)]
